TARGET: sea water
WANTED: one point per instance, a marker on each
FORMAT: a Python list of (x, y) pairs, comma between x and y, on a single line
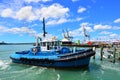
[(97, 70)]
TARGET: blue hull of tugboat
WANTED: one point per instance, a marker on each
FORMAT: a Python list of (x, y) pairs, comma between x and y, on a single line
[(78, 59), (75, 63)]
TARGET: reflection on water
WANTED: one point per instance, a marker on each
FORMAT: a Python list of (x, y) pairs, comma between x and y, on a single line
[(97, 70)]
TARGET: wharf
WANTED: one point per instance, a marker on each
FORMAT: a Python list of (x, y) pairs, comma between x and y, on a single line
[(86, 45), (109, 52)]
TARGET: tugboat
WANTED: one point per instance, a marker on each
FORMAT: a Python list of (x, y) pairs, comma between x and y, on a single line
[(53, 55)]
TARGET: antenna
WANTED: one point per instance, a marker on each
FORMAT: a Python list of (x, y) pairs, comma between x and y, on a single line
[(44, 32)]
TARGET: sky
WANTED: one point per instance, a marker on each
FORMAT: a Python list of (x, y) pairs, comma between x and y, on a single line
[(21, 20)]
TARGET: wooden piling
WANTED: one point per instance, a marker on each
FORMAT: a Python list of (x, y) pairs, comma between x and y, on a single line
[(94, 49), (94, 57), (118, 55), (101, 53), (114, 52)]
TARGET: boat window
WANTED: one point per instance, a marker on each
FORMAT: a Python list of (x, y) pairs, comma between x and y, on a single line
[(52, 43), (55, 44), (44, 43), (41, 44)]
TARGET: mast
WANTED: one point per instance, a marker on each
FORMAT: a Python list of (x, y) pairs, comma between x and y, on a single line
[(44, 32), (36, 41)]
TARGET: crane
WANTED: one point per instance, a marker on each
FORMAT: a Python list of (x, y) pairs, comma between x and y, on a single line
[(86, 35), (67, 35)]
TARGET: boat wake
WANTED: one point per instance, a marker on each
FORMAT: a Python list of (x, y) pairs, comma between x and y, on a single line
[(58, 76), (4, 64), (28, 71), (39, 71)]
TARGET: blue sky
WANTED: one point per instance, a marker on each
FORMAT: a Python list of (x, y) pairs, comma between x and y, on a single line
[(21, 20)]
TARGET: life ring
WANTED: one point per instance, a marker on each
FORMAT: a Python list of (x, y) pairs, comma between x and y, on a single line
[(35, 50)]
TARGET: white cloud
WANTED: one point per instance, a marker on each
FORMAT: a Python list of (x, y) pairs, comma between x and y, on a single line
[(53, 11), (7, 13), (78, 19), (117, 20), (47, 38), (45, 0), (107, 36), (75, 0), (102, 27), (116, 28), (53, 22), (79, 31), (86, 26), (94, 1), (21, 30), (29, 1), (74, 20), (17, 30), (76, 33), (105, 32), (3, 29), (54, 14), (26, 13), (62, 20), (113, 35), (81, 9)]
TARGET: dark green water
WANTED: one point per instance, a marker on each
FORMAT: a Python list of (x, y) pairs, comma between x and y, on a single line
[(97, 70)]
